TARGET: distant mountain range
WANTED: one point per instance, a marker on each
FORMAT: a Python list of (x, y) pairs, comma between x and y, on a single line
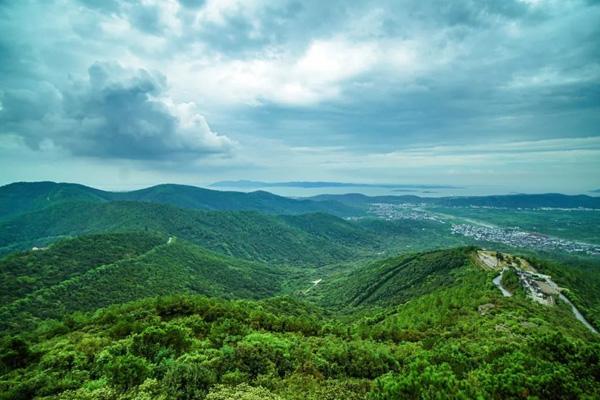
[(21, 197), (319, 184), (546, 200), (24, 197)]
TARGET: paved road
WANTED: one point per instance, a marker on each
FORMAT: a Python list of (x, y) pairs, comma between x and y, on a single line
[(498, 282)]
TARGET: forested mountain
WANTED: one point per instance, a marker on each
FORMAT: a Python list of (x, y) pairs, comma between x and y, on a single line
[(17, 198), (394, 280), (302, 239), (242, 234), (23, 273), (116, 268), (142, 295), (90, 272)]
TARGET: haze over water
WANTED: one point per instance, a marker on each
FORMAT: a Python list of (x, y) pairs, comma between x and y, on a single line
[(384, 191)]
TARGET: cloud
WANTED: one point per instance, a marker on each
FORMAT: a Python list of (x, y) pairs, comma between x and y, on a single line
[(115, 113), (369, 78), (326, 70), (148, 16)]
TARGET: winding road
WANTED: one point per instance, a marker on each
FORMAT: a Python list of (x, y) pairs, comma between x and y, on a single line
[(498, 282), (577, 314)]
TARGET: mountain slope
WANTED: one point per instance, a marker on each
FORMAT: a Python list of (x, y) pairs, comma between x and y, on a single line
[(314, 239), (391, 281), (18, 198), (172, 267), (200, 198), (21, 197), (24, 273)]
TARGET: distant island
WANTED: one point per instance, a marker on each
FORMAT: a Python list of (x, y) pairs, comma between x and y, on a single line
[(320, 184)]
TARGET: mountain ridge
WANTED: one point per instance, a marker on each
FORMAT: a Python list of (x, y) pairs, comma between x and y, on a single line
[(21, 197), (324, 184), (549, 200)]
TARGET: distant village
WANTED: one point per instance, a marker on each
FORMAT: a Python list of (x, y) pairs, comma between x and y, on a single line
[(392, 212), (509, 236)]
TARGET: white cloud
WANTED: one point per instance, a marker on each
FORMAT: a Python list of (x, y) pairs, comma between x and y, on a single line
[(549, 76), (347, 73), (217, 11), (193, 131), (318, 74)]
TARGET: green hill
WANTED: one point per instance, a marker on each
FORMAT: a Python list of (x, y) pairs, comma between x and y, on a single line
[(306, 239), (200, 198), (102, 271), (142, 300), (392, 281), (24, 273), (90, 272), (22, 197)]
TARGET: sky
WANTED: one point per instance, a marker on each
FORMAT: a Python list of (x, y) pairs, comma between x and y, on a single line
[(122, 94)]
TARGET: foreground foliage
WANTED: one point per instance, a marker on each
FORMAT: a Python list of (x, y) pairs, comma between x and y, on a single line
[(438, 345)]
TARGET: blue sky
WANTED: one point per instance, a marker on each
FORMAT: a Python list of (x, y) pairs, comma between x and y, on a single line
[(122, 94)]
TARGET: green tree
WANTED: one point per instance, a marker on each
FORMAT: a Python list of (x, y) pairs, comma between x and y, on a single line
[(189, 377), (241, 392), (127, 371)]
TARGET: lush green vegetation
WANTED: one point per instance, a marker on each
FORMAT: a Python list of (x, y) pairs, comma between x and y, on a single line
[(511, 281), (23, 197), (195, 348), (390, 281), (314, 239), (167, 268), (414, 235), (139, 300), (24, 273), (241, 234)]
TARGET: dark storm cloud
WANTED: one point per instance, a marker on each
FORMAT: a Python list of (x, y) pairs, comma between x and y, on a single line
[(114, 113)]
